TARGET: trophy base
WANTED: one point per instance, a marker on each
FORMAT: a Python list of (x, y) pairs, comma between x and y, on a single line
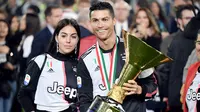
[(103, 104)]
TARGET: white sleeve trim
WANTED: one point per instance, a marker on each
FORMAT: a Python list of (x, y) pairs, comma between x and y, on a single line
[(146, 73)]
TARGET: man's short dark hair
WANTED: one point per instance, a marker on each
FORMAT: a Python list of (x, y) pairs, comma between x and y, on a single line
[(68, 3), (102, 6), (181, 8), (49, 8)]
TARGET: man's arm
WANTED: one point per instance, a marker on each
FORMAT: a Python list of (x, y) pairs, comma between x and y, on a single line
[(145, 85), (85, 91), (148, 86)]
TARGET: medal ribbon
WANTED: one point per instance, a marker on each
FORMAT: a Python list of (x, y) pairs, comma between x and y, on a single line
[(108, 81)]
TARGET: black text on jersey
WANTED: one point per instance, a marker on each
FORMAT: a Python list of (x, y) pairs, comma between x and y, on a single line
[(59, 89)]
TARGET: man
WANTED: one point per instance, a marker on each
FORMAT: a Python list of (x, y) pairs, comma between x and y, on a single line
[(191, 31), (41, 40), (68, 11), (108, 52), (122, 10), (87, 37), (171, 73)]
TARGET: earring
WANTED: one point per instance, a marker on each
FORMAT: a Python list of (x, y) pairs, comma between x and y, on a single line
[(75, 50), (57, 47)]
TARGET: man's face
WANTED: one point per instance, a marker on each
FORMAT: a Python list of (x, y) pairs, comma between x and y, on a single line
[(187, 15), (55, 17), (121, 11), (198, 47), (102, 24)]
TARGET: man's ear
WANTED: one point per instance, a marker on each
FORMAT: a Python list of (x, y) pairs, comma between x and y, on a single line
[(114, 20), (47, 18), (178, 21)]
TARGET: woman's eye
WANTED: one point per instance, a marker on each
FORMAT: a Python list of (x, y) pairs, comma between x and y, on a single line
[(63, 36), (74, 37)]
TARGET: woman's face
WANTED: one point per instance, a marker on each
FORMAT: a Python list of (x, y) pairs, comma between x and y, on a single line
[(155, 9), (23, 23), (3, 29), (14, 24), (142, 19), (67, 39)]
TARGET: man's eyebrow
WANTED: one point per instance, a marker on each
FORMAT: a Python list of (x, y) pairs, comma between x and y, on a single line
[(105, 17), (100, 18), (94, 18)]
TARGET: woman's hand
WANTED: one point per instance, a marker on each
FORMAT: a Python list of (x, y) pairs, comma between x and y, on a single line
[(132, 88), (4, 49), (9, 66)]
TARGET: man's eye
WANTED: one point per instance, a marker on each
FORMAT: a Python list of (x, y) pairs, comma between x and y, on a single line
[(105, 19), (95, 20)]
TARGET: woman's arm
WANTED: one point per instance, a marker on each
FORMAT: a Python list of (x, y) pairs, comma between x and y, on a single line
[(28, 87)]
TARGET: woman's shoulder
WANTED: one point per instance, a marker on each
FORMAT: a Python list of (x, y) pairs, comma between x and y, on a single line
[(39, 60)]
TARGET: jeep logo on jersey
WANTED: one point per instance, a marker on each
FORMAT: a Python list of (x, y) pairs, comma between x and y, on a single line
[(59, 89)]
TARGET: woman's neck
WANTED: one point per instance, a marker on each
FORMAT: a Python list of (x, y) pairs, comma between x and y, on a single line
[(2, 39)]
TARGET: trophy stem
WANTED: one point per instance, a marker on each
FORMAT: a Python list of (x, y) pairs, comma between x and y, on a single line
[(128, 72)]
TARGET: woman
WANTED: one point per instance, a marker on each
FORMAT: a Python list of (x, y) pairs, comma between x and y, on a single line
[(14, 24), (191, 88), (8, 62), (145, 28), (50, 81), (160, 18), (31, 25)]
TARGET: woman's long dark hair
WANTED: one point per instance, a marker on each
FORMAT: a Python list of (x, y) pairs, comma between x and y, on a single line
[(161, 14), (152, 21), (61, 24), (32, 24)]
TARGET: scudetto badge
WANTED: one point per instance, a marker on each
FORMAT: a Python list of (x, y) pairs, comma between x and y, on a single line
[(27, 79), (79, 82)]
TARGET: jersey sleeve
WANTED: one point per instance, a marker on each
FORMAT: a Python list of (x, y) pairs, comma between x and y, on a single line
[(85, 91), (149, 86), (29, 85)]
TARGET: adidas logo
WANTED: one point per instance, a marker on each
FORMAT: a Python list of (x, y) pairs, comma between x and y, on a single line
[(97, 68), (50, 70)]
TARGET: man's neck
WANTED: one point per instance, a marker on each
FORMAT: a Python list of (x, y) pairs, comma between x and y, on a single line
[(108, 43)]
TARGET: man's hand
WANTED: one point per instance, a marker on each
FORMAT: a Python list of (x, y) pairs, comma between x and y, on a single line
[(132, 88)]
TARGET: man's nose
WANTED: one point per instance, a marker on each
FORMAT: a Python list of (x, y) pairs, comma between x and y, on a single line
[(100, 24)]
